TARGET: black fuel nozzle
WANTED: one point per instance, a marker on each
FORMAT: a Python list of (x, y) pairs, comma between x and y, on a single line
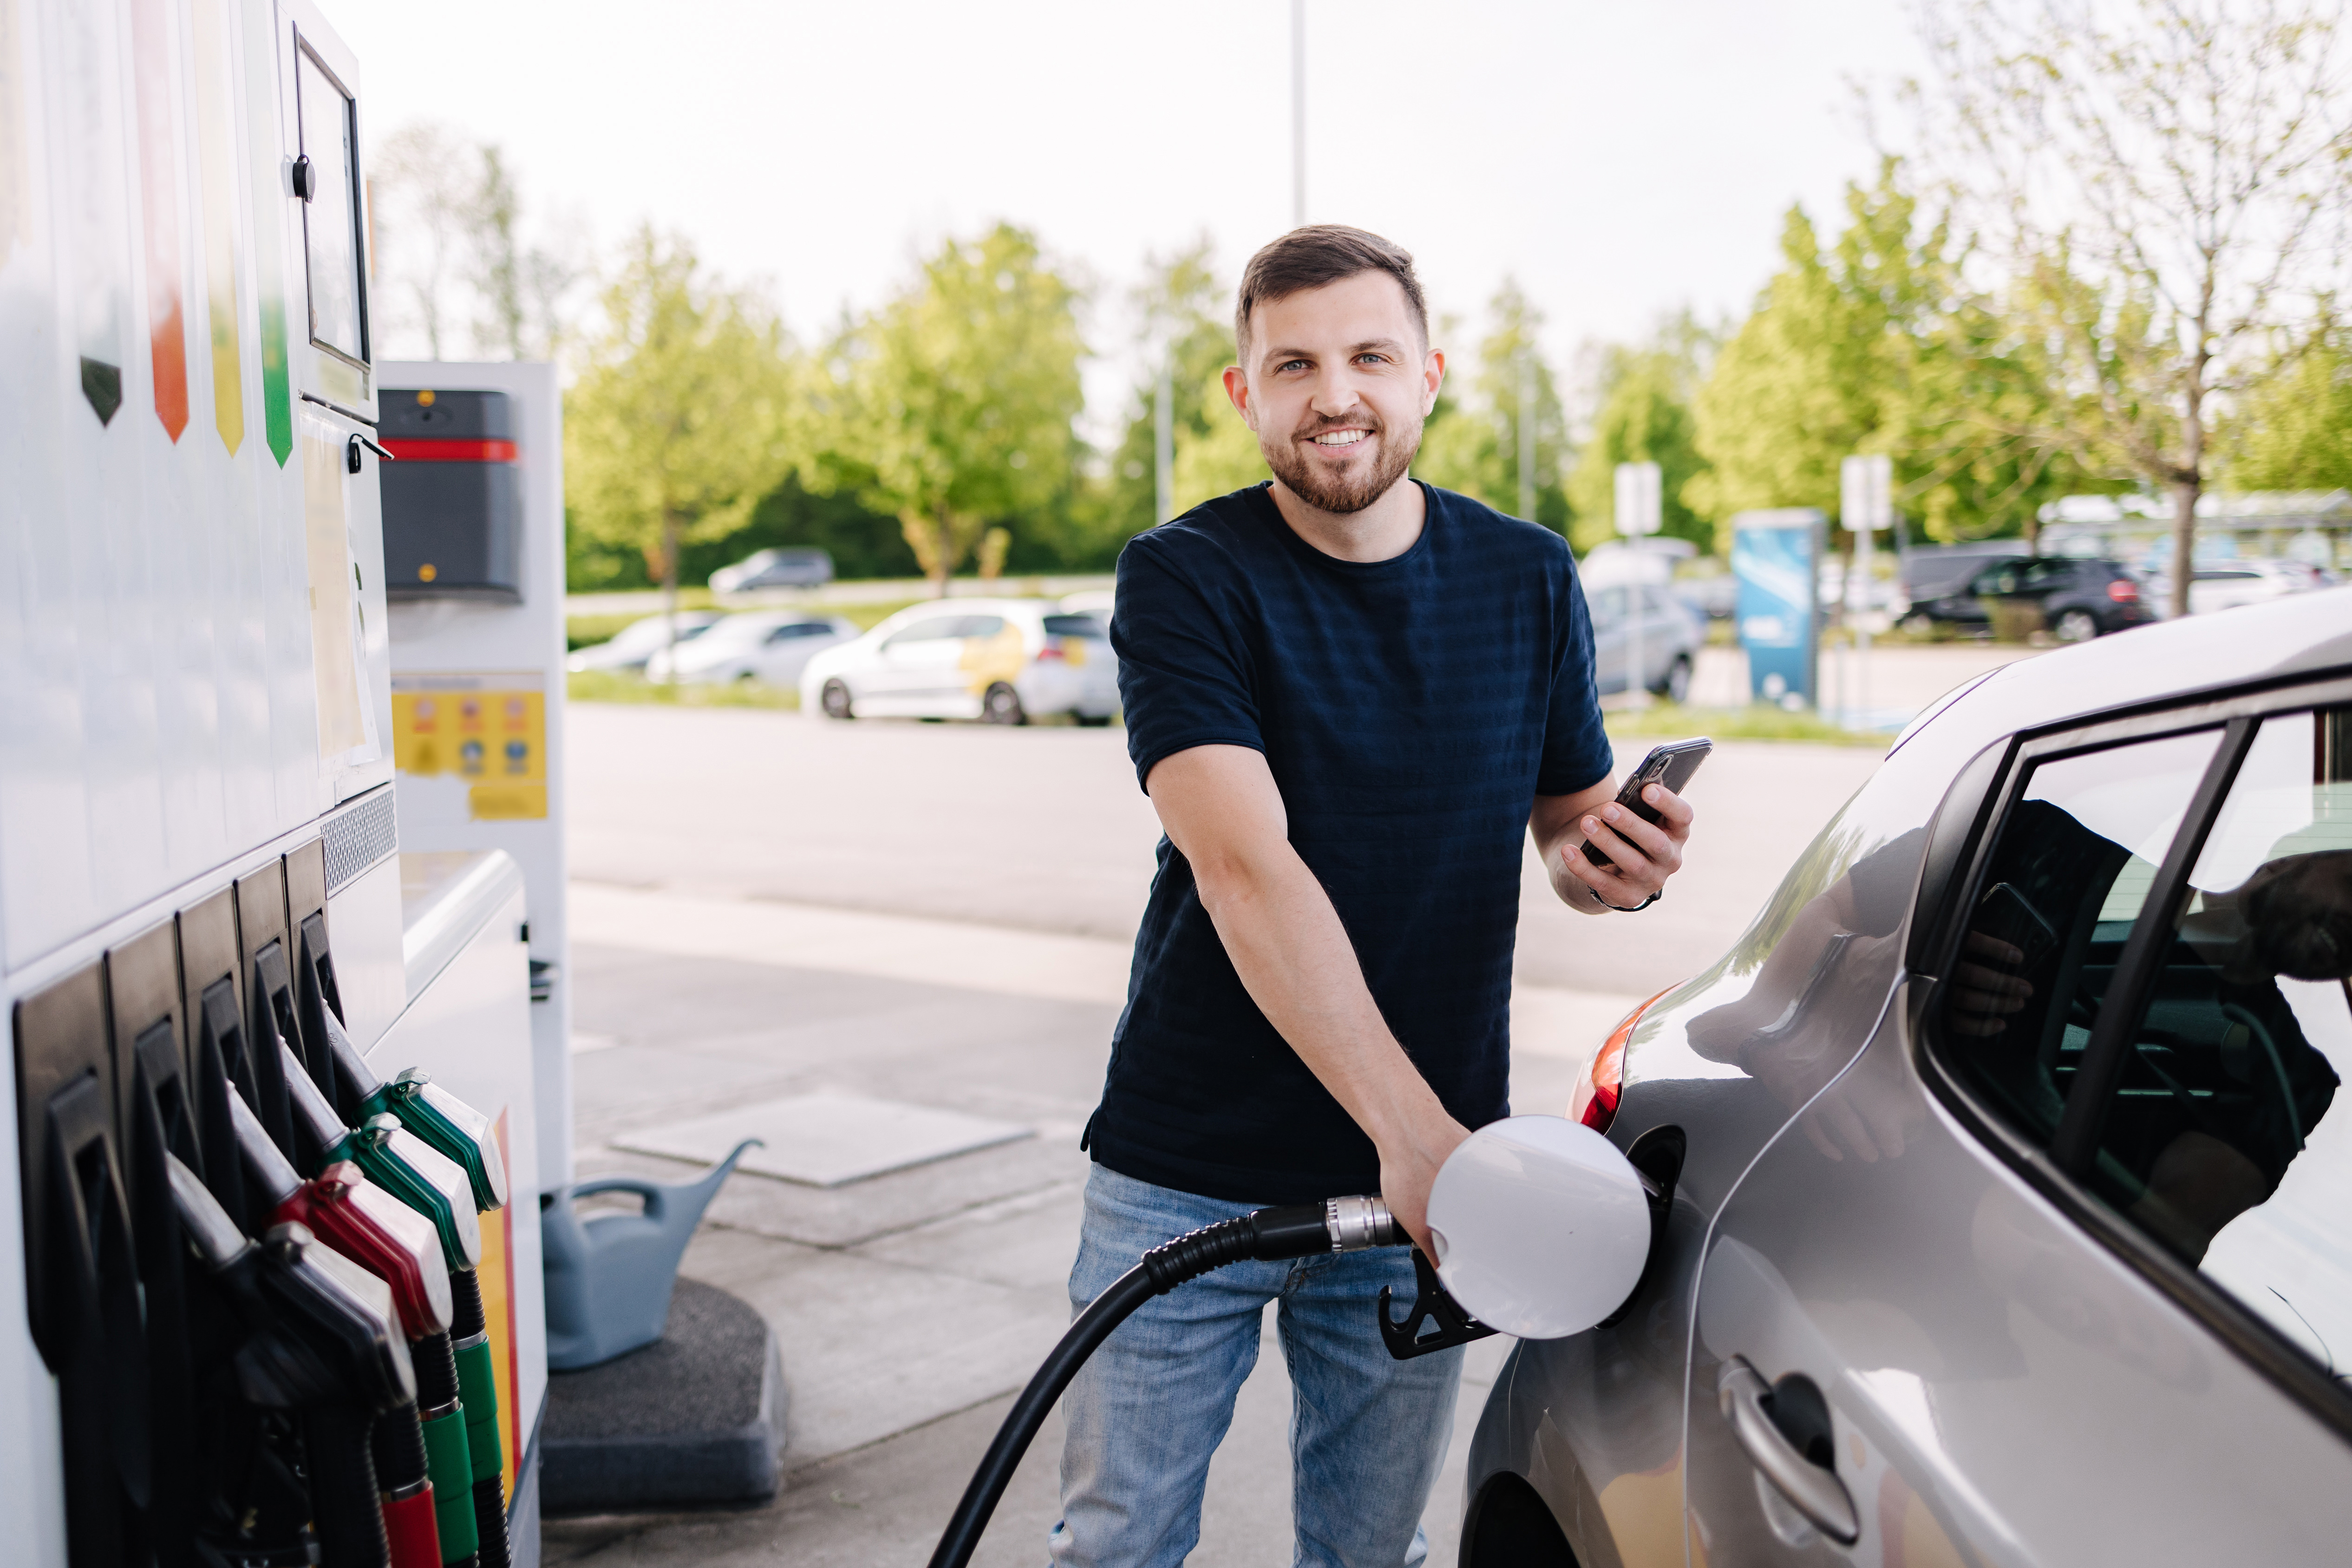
[(1268, 1235), (320, 1337)]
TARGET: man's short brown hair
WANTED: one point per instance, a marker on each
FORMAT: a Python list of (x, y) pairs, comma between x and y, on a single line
[(1318, 253)]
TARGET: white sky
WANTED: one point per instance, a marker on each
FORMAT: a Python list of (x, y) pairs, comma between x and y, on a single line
[(1623, 160)]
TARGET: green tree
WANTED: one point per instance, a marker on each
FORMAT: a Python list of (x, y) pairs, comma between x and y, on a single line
[(1875, 344), (2162, 185), (1185, 318), (2293, 430), (1645, 416), (1471, 440), (674, 431), (1805, 380), (961, 402)]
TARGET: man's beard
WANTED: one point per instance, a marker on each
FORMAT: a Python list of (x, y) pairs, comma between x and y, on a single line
[(1350, 491)]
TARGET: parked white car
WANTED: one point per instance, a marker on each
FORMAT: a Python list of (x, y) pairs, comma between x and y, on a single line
[(639, 641), (772, 645), (1004, 660), (2226, 585)]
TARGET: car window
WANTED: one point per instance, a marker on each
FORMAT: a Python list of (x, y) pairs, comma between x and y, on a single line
[(980, 625), (929, 629), (2041, 576), (2222, 1140), (2063, 884), (1072, 627), (1608, 605)]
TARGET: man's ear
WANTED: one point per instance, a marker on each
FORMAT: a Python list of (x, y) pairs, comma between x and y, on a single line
[(1433, 376), (1237, 390)]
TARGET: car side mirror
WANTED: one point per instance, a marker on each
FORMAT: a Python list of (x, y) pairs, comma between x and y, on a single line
[(1541, 1227)]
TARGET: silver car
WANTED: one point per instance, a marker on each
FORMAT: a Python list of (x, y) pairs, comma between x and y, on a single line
[(2003, 1210), (1644, 623)]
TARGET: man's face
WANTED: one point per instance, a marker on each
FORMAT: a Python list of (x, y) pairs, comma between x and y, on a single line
[(1337, 384)]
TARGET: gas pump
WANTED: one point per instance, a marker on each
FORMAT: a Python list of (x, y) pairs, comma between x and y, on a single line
[(206, 911)]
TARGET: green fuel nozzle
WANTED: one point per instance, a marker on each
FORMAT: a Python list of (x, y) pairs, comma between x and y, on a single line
[(432, 1114)]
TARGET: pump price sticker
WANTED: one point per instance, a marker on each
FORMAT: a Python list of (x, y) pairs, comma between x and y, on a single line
[(488, 730)]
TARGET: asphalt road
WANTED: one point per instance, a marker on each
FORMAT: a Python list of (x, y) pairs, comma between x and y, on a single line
[(1044, 829)]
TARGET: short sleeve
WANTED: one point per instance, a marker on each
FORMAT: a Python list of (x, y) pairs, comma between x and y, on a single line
[(1576, 751), (1183, 669)]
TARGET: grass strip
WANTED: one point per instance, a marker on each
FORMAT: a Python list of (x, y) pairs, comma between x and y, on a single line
[(1760, 722)]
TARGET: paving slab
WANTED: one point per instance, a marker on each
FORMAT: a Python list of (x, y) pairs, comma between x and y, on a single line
[(825, 1140), (872, 1348)]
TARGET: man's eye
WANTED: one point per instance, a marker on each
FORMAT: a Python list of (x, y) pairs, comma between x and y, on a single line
[(1293, 364)]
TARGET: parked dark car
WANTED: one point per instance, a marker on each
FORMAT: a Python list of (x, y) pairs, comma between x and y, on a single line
[(2079, 600)]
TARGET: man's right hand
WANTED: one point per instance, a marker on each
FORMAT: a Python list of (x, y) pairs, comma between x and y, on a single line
[(1409, 1166)]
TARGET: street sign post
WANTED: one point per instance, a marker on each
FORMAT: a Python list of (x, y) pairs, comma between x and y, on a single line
[(1639, 514), (1865, 506)]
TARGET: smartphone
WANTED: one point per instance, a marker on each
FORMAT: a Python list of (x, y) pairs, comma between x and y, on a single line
[(2007, 915), (1672, 765)]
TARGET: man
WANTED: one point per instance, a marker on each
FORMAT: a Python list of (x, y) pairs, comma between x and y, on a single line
[(1348, 695)]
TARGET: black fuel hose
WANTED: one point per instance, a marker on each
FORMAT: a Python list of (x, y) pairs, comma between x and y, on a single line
[(1293, 1230)]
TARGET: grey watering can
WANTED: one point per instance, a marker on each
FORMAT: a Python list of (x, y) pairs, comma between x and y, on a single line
[(609, 1276)]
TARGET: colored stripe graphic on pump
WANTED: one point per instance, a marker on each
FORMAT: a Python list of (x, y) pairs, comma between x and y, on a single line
[(445, 449)]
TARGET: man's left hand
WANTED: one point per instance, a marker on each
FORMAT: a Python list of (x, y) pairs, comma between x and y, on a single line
[(1644, 855)]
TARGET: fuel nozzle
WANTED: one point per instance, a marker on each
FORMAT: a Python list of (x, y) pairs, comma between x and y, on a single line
[(319, 1336), (452, 1128), (423, 1456), (400, 1162), (440, 1157)]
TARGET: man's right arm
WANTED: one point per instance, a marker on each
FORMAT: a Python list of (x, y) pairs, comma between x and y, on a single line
[(1222, 810)]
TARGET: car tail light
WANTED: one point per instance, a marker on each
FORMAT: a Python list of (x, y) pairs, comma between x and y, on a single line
[(1594, 1102), (2124, 591), (1051, 651)]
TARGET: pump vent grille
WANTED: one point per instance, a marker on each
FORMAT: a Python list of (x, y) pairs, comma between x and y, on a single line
[(360, 837)]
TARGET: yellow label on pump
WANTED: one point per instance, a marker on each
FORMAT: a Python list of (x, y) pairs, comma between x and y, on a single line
[(489, 731), (495, 1274)]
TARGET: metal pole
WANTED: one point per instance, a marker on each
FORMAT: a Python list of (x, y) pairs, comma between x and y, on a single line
[(1297, 114), (1862, 551), (1526, 437), (1163, 442)]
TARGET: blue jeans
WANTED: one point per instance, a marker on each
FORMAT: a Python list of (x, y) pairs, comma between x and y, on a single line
[(1367, 1432)]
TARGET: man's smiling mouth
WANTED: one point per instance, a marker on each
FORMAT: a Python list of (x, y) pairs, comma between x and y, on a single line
[(1340, 437)]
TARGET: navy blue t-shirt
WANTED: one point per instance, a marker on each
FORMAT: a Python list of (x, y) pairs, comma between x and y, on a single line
[(1411, 711)]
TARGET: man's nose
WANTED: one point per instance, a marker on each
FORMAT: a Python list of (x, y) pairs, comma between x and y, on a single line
[(1335, 393)]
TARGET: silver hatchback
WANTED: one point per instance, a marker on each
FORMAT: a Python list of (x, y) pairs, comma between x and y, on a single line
[(2005, 1209)]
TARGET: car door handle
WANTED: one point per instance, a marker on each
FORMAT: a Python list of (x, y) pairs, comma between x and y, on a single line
[(1812, 1490)]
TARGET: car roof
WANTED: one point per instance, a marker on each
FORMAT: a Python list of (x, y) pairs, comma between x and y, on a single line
[(2301, 634), (1024, 608), (748, 620)]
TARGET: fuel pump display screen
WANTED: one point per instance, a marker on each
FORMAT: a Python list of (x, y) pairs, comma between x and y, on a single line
[(330, 215)]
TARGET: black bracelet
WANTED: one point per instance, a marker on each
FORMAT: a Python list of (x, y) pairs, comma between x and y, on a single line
[(1636, 909)]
